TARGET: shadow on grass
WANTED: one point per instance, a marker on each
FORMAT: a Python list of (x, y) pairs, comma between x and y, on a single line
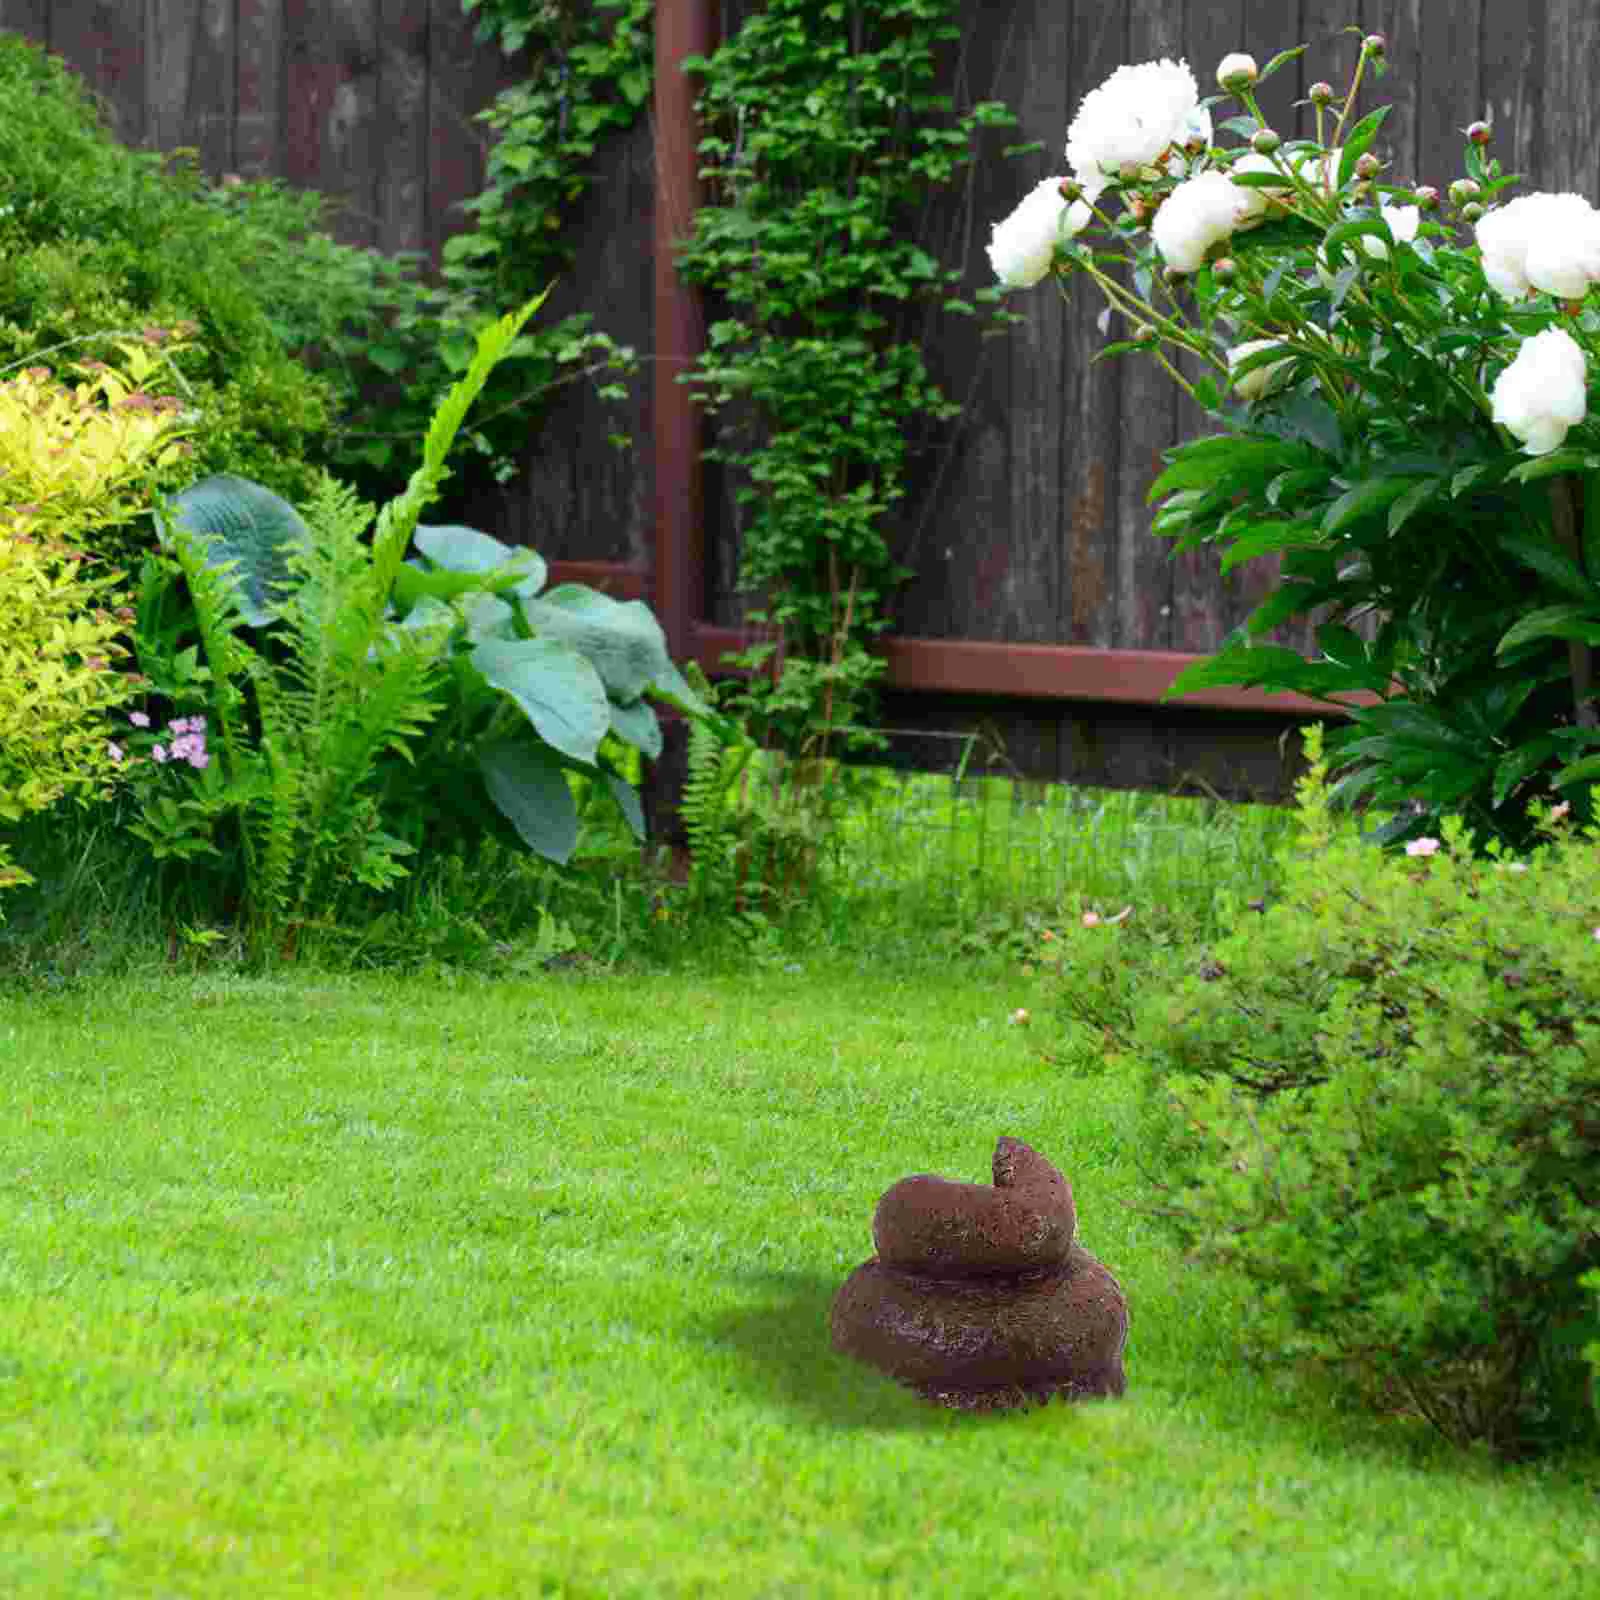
[(784, 1355)]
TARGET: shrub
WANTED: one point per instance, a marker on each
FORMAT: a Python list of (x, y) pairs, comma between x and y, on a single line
[(1378, 1101), (72, 460)]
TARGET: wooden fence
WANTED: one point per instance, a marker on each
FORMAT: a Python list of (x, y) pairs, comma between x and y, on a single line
[(1041, 606)]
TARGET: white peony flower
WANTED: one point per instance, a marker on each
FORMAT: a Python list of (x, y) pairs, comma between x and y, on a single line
[(1257, 202), (1548, 242), (1543, 392), (1198, 214), (1023, 245), (1133, 118), (1403, 222), (1258, 380)]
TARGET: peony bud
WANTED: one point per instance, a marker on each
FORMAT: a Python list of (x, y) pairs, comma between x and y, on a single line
[(1374, 44), (1426, 198), (1368, 166), (1071, 190), (1320, 94), (1463, 190), (1479, 133), (1237, 71), (1471, 211), (1224, 269), (1264, 141), (1145, 333)]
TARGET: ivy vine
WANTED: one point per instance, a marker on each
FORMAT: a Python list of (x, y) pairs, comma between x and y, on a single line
[(826, 130)]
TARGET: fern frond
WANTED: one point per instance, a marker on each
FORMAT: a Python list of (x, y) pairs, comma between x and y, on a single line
[(398, 520)]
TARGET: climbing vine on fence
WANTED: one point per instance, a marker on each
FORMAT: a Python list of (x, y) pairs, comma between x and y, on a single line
[(825, 133)]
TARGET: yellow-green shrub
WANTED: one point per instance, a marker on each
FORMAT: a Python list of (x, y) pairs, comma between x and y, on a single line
[(74, 459)]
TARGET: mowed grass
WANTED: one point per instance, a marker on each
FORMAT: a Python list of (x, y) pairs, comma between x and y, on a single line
[(409, 1287)]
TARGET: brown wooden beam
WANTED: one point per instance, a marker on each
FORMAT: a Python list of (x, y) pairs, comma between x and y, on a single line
[(682, 28), (982, 668), (1042, 672)]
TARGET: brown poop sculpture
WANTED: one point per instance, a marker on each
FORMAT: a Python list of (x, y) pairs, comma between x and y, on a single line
[(979, 1298)]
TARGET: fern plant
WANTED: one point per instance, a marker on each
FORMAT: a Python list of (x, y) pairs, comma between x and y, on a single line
[(304, 712)]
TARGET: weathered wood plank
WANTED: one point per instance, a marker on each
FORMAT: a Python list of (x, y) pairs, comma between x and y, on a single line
[(1571, 103), (330, 88), (104, 41), (462, 79), (257, 134), (1515, 42), (170, 26), (989, 538), (402, 126), (582, 496), (958, 484), (1090, 394)]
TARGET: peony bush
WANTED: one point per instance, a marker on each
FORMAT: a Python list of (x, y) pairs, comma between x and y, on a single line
[(1400, 377)]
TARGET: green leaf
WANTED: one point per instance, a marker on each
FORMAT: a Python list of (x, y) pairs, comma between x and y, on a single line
[(1366, 499), (1552, 465), (530, 790), (638, 725), (557, 688), (1282, 59), (1359, 141), (1552, 622), (1513, 767), (1468, 476), (458, 549), (622, 638), (1412, 501), (1585, 771), (1552, 564), (245, 523), (1266, 538), (627, 799)]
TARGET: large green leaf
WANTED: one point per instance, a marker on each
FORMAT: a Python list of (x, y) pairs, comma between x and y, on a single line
[(247, 524), (622, 638), (557, 688), (530, 789), (458, 549), (1553, 622), (637, 724)]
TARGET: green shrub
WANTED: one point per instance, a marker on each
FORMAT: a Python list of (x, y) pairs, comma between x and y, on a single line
[(1380, 1102), (73, 461)]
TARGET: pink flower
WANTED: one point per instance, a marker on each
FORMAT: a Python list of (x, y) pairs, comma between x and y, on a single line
[(159, 753), (1091, 919), (1558, 813), (1422, 847), (139, 719), (113, 749)]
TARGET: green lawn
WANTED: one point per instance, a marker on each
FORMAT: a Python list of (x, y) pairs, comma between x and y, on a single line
[(408, 1287)]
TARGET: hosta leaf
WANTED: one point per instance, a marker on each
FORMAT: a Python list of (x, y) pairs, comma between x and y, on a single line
[(529, 788), (245, 523), (637, 724), (557, 688), (621, 638)]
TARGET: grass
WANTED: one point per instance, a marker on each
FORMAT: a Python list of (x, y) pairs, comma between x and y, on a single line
[(333, 1286)]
